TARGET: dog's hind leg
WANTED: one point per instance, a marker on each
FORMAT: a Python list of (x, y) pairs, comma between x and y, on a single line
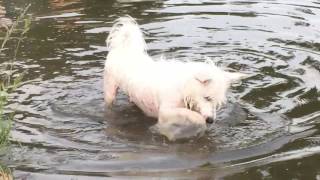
[(110, 89)]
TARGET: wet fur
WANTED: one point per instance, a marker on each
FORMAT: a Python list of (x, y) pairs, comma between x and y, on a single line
[(172, 91)]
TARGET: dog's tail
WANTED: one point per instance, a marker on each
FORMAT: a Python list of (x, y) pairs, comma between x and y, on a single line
[(125, 34)]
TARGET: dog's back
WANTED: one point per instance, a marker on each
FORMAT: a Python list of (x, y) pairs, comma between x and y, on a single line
[(125, 35)]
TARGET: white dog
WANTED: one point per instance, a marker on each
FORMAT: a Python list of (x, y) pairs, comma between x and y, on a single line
[(183, 96)]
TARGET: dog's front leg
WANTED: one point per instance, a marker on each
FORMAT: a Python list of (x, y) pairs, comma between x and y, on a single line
[(180, 114), (110, 88), (180, 123)]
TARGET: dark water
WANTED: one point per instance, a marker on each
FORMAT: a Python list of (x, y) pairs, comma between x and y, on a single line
[(270, 129)]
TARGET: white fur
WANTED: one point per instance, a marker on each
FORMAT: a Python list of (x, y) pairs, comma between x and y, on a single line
[(172, 91)]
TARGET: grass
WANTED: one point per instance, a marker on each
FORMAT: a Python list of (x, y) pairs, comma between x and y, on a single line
[(8, 80), (5, 174)]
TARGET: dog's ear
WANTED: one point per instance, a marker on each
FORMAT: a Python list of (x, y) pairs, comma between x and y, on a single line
[(235, 77), (203, 78)]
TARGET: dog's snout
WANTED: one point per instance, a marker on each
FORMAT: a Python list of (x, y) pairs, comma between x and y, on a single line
[(209, 120)]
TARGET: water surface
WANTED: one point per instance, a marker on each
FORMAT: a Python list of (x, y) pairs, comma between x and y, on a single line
[(269, 129)]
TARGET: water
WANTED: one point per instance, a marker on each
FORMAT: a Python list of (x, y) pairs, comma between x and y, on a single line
[(269, 129)]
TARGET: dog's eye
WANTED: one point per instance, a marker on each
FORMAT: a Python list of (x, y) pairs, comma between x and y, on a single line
[(208, 98)]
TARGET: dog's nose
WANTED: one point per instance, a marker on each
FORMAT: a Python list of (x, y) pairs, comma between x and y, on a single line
[(209, 120)]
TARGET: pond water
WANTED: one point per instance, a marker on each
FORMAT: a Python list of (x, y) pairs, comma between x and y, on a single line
[(269, 129)]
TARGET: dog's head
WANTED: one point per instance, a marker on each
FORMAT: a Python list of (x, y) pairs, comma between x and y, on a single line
[(205, 91)]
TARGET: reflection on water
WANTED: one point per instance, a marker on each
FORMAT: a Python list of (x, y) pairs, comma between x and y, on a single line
[(269, 128)]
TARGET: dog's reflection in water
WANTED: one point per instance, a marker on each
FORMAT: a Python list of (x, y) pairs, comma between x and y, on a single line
[(126, 121)]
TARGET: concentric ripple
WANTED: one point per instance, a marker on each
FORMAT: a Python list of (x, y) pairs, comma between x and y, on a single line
[(270, 125)]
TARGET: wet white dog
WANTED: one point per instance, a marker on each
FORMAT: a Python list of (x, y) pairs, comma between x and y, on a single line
[(183, 96)]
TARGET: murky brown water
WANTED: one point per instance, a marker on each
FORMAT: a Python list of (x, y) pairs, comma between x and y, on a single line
[(269, 129)]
